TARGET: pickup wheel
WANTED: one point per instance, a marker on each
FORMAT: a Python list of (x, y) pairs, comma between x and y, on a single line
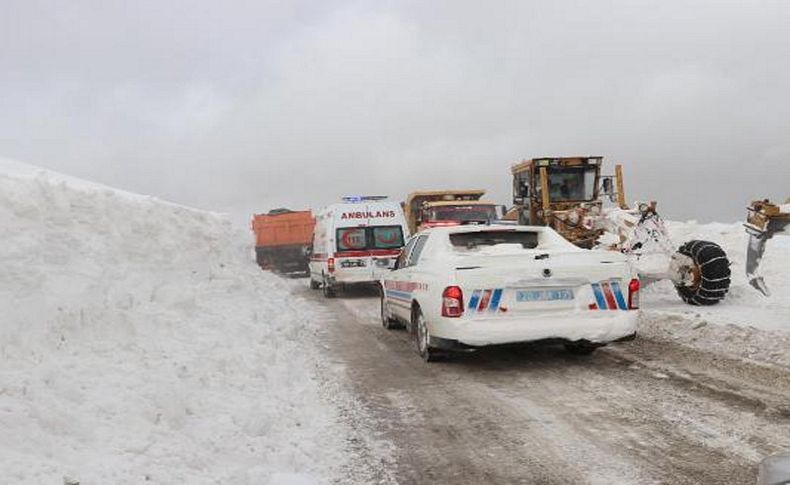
[(327, 289), (386, 320), (423, 338)]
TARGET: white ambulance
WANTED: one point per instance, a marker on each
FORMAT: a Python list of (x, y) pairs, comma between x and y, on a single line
[(356, 241)]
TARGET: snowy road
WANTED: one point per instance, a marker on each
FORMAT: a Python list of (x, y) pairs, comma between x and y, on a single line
[(642, 412)]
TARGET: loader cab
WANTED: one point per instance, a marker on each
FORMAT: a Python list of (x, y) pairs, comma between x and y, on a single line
[(565, 193), (556, 184)]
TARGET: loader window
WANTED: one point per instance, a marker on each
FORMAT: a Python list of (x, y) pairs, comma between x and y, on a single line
[(473, 240), (571, 183)]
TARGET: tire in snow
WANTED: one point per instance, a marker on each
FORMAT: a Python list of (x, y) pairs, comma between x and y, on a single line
[(386, 320), (713, 266)]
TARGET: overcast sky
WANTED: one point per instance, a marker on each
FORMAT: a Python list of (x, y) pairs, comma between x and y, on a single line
[(245, 106)]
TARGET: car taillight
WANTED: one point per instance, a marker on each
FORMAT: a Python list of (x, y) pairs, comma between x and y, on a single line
[(633, 294), (330, 265), (452, 302)]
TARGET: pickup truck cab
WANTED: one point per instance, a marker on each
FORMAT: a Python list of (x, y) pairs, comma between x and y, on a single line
[(469, 286)]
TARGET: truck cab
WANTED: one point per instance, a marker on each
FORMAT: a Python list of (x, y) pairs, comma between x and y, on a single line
[(447, 208)]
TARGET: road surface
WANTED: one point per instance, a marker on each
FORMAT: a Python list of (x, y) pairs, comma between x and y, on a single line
[(638, 412)]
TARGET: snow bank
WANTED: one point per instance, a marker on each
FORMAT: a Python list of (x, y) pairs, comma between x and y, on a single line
[(138, 343), (746, 324)]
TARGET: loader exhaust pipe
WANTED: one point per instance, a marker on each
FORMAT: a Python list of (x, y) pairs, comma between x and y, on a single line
[(618, 178), (544, 189)]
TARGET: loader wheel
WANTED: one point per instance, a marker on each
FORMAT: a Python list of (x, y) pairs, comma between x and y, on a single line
[(711, 273)]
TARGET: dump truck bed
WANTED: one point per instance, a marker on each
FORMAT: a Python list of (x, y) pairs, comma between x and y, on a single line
[(283, 240), (290, 228)]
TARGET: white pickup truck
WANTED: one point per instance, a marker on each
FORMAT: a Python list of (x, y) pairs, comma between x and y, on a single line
[(469, 286)]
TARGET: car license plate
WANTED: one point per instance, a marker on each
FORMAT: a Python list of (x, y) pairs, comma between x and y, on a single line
[(543, 295), (384, 263), (353, 263)]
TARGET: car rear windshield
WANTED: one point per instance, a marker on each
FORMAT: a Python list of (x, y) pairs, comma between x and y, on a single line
[(472, 240), (375, 237)]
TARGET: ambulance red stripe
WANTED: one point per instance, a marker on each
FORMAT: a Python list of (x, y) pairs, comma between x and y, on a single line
[(367, 253)]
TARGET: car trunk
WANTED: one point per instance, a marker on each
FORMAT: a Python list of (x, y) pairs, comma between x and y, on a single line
[(543, 281)]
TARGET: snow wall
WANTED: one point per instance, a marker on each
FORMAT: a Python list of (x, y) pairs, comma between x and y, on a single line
[(138, 343)]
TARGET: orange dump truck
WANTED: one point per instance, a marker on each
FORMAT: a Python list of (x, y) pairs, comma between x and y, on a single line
[(283, 239)]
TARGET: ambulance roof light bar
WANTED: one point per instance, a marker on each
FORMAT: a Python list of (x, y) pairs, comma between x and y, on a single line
[(363, 198)]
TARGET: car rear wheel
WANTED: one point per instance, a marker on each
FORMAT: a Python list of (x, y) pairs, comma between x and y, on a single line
[(422, 338), (386, 320)]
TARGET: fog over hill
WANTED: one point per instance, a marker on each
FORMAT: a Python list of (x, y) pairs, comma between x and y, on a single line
[(242, 107)]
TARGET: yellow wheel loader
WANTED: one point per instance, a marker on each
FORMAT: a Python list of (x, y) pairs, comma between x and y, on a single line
[(571, 195)]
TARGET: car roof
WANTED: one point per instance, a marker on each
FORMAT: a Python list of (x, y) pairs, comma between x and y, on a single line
[(481, 228), (441, 203)]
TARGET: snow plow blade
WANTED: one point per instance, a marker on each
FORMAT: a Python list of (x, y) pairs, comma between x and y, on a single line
[(754, 254), (763, 222)]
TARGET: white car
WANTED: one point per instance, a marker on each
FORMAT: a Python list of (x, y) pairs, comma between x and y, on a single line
[(469, 286)]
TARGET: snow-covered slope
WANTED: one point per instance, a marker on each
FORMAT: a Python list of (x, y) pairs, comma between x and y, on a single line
[(138, 343)]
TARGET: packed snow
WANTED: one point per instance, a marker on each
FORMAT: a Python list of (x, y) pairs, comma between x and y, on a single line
[(746, 324), (138, 343), (744, 306)]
